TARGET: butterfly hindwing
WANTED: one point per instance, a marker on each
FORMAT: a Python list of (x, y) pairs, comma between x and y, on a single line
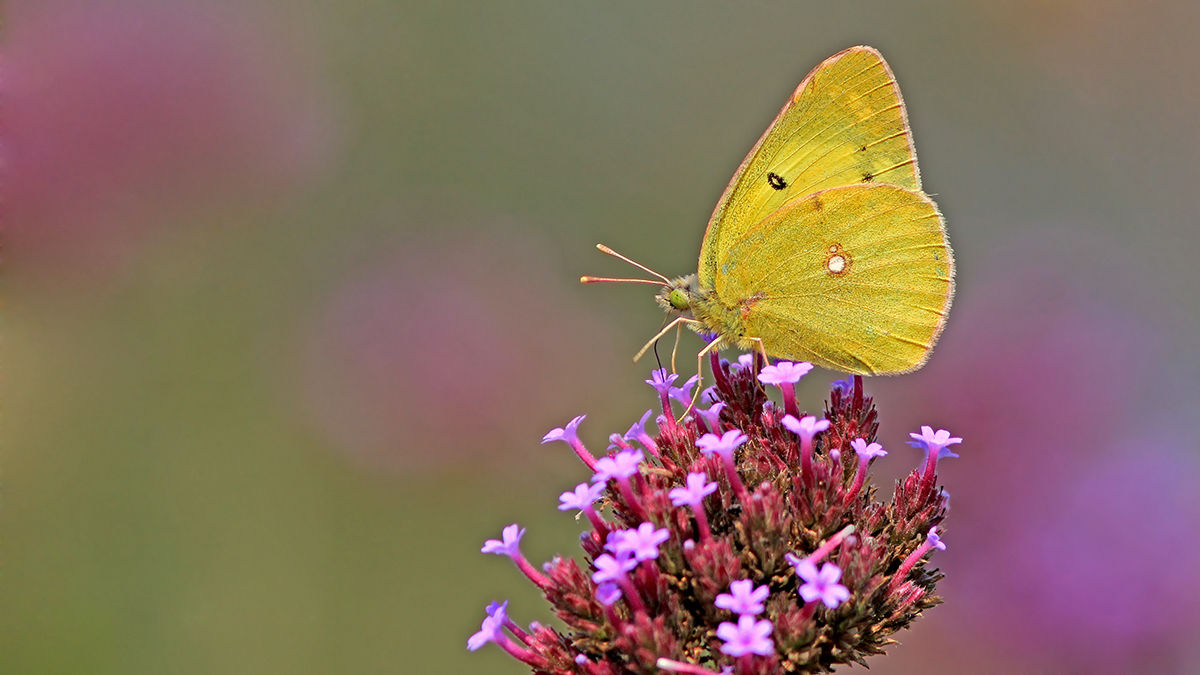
[(856, 278)]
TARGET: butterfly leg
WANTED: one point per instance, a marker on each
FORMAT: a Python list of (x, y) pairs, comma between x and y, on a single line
[(679, 321), (675, 349), (715, 344), (762, 349)]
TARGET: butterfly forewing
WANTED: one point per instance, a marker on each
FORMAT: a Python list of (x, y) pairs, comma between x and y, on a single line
[(857, 279), (844, 124)]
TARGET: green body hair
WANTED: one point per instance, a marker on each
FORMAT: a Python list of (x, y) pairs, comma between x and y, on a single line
[(685, 297)]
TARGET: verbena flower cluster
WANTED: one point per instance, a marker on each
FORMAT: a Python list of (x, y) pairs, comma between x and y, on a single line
[(741, 538)]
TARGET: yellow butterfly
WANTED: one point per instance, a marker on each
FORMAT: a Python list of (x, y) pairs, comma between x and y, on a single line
[(823, 247)]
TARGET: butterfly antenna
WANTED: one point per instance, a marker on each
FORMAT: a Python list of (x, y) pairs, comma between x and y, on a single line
[(609, 251)]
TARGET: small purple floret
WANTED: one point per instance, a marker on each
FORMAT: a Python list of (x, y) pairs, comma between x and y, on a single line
[(693, 493), (723, 445), (743, 598), (608, 593), (641, 543), (582, 497), (934, 540), (867, 451), (806, 427), (622, 465), (784, 372), (509, 543), (568, 434), (932, 441), (821, 584), (747, 636), (661, 380), (609, 568)]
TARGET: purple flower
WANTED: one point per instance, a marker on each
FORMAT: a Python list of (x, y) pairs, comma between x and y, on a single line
[(583, 496), (608, 594), (747, 636), (712, 416), (723, 445), (567, 434), (934, 442), (710, 395), (684, 394), (933, 540), (743, 598), (641, 543), (806, 427), (784, 372), (612, 569), (867, 452), (694, 492), (509, 544), (490, 629), (823, 584), (622, 465), (744, 361), (661, 380), (638, 430)]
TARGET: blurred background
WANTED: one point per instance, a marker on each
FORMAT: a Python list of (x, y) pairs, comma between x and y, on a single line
[(293, 297)]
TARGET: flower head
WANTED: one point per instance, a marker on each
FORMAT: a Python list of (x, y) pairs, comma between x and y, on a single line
[(784, 372), (684, 394), (935, 441), (723, 445), (491, 628), (867, 451), (743, 598), (641, 543), (582, 497), (609, 568), (934, 540), (624, 464), (712, 416), (821, 584), (805, 427), (567, 434), (661, 380), (695, 490), (638, 430), (747, 636), (509, 543), (653, 551)]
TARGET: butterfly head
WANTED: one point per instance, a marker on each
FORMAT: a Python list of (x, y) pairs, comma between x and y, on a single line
[(678, 296)]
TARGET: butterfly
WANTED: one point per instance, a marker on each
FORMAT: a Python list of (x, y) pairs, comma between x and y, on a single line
[(823, 247)]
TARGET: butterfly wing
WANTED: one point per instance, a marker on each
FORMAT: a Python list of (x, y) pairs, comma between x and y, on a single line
[(844, 124), (856, 278)]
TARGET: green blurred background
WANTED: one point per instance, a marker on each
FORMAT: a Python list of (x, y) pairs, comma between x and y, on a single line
[(293, 299)]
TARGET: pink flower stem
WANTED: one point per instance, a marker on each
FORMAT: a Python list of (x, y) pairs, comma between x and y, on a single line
[(907, 565), (528, 570), (598, 523), (584, 455), (631, 498), (832, 543), (520, 653), (702, 522), (789, 399), (630, 593), (859, 478), (734, 479)]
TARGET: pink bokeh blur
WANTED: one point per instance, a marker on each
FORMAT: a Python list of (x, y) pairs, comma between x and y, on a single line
[(126, 117), (392, 373)]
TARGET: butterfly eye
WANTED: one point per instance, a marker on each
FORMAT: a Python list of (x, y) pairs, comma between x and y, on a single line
[(679, 300)]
